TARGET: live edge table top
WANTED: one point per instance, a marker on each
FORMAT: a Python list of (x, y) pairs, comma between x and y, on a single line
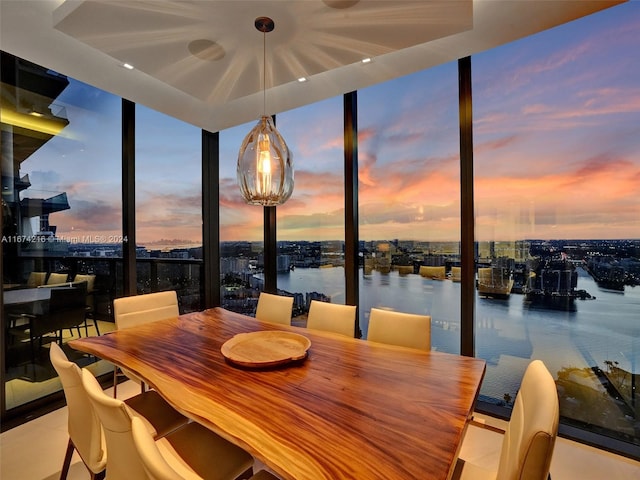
[(351, 410)]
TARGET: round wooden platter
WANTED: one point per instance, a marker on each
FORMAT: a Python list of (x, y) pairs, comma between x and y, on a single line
[(265, 348)]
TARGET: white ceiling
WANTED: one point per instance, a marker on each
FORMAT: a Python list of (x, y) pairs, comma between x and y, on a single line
[(201, 61)]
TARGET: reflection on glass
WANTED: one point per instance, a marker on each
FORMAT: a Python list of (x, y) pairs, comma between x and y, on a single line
[(241, 233), (409, 200), (61, 221), (310, 226), (557, 218), (168, 207)]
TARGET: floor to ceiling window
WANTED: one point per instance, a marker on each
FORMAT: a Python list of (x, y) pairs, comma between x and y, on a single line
[(557, 176), (556, 152), (62, 220), (310, 225), (241, 232), (168, 207), (409, 200)]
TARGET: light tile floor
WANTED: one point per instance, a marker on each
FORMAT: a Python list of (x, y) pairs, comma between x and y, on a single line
[(35, 450), (571, 460)]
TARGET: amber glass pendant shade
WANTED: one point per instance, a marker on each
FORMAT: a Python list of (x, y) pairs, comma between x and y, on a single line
[(265, 166)]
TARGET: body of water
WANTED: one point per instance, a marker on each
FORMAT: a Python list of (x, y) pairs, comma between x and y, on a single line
[(510, 332)]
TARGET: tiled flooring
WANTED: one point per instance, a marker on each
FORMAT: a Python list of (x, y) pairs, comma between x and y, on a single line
[(34, 451), (571, 460)]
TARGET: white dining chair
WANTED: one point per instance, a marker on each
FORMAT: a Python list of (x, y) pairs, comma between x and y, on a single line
[(200, 447), (161, 463), (85, 434), (332, 317), (140, 309), (527, 446), (274, 308), (399, 328)]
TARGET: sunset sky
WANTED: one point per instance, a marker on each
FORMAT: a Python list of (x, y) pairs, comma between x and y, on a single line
[(556, 135)]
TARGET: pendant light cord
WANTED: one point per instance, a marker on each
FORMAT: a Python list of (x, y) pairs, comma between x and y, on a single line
[(264, 73), (264, 25)]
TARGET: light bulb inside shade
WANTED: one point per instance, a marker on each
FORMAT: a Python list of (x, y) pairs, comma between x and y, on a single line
[(265, 166), (263, 182)]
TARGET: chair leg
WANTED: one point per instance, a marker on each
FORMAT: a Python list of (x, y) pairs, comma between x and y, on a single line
[(33, 349), (67, 460), (115, 382), (98, 476), (95, 325)]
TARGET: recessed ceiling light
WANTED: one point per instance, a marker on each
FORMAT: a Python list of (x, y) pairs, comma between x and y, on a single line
[(302, 79), (366, 60), (127, 66)]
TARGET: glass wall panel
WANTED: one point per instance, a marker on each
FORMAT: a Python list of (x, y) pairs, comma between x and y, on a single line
[(557, 176), (409, 200), (168, 207), (310, 225), (61, 208), (241, 232)]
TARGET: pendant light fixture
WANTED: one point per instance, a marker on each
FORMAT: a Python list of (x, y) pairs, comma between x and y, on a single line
[(265, 165)]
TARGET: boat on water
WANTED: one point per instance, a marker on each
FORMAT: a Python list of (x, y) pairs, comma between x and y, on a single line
[(495, 282)]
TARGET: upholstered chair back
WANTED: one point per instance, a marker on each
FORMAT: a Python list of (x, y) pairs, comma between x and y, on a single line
[(399, 328), (140, 309), (83, 423), (530, 437), (274, 308), (56, 278), (332, 317), (36, 279), (123, 460)]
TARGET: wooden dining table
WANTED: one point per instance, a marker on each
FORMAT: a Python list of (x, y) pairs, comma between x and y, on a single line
[(351, 409)]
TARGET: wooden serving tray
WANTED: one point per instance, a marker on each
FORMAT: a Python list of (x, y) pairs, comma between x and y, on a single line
[(265, 348)]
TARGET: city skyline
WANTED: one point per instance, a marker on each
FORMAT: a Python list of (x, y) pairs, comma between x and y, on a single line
[(546, 166)]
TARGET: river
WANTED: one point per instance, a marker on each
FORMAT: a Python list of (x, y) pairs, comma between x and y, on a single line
[(509, 333)]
